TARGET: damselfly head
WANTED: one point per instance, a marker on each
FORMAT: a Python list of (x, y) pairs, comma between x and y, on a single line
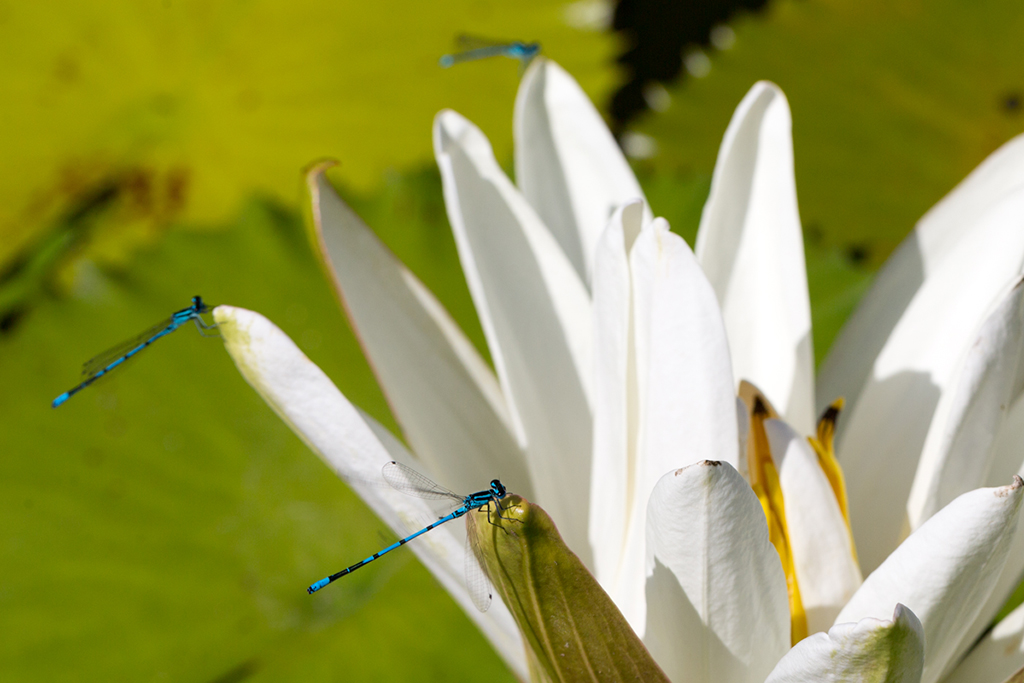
[(519, 49), (497, 488), (198, 305)]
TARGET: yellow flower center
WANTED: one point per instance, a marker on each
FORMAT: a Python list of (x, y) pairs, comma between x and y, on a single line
[(764, 480), (825, 448)]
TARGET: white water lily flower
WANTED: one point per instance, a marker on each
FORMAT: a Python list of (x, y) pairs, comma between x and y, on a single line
[(617, 354)]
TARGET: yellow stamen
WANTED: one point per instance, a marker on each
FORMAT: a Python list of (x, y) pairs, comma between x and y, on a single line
[(764, 479), (749, 393), (824, 446)]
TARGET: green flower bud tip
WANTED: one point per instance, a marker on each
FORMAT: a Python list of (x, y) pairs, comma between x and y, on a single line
[(572, 629)]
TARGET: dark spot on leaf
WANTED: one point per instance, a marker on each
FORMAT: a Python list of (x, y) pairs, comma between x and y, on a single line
[(814, 233), (1012, 102), (176, 189), (138, 186), (238, 673), (655, 34), (92, 201), (10, 319), (857, 254), (66, 70)]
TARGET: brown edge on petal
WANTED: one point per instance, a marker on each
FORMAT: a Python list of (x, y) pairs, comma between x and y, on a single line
[(311, 209), (314, 228), (1004, 491)]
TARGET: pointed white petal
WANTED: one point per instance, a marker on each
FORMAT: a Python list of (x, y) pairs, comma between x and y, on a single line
[(933, 241), (536, 314), (885, 432), (718, 608), (1009, 454), (442, 393), (686, 406), (869, 650), (615, 399), (568, 165), (1001, 174), (997, 657), (945, 570), (687, 399), (960, 446), (750, 244), (306, 399), (1008, 581), (826, 572)]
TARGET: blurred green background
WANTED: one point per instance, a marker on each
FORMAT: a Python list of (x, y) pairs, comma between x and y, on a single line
[(163, 524)]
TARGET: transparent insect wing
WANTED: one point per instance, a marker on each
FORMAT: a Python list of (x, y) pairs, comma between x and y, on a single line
[(481, 592), (94, 365), (411, 482), (470, 42), (479, 53)]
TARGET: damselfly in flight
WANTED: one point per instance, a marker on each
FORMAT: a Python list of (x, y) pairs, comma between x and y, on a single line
[(480, 48), (122, 353), (410, 481)]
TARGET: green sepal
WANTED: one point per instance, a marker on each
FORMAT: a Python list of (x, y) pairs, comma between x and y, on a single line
[(572, 629)]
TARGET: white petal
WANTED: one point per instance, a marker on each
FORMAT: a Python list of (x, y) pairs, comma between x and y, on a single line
[(997, 657), (1009, 447), (686, 406), (933, 241), (442, 393), (1008, 581), (568, 165), (750, 244), (687, 400), (306, 399), (885, 432), (536, 314), (615, 399), (718, 608), (826, 572), (1009, 453), (945, 570), (869, 650), (959, 449)]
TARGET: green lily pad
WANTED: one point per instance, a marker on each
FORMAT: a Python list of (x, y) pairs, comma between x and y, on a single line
[(893, 104), (187, 108), (163, 524)]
